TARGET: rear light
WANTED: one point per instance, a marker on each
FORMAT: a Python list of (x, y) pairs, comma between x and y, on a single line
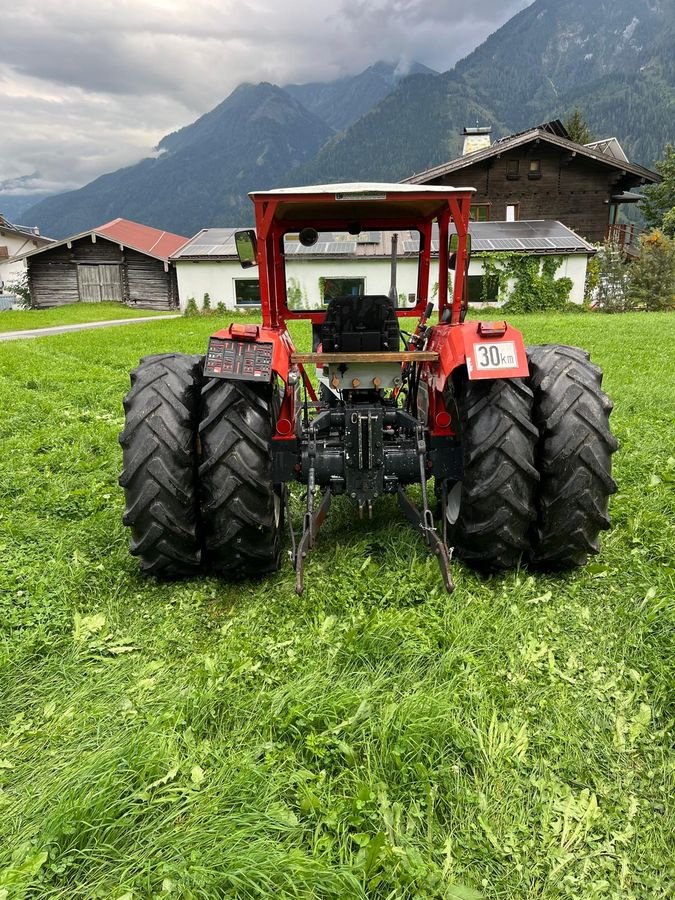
[(443, 420), (491, 329), (244, 332), (284, 426)]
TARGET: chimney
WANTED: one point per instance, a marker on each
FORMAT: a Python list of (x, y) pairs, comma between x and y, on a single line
[(477, 138)]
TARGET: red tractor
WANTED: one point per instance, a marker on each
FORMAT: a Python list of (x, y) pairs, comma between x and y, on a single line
[(516, 439)]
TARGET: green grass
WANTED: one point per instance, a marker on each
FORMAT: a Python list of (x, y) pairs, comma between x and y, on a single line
[(73, 313), (374, 738)]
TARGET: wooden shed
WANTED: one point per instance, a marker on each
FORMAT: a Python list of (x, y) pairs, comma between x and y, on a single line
[(121, 261)]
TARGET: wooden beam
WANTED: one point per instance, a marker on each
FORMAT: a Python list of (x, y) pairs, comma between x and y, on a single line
[(382, 356)]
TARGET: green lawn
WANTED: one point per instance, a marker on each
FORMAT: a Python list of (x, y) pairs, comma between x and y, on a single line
[(374, 738), (73, 313)]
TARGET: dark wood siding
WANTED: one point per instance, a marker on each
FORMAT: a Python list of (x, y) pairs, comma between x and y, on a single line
[(53, 281), (148, 285), (571, 189)]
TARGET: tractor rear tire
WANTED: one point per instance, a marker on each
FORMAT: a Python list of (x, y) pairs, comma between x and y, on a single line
[(574, 455), (159, 464), (242, 512), (495, 499)]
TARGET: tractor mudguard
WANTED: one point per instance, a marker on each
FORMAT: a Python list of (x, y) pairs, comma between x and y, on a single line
[(245, 352), (488, 349)]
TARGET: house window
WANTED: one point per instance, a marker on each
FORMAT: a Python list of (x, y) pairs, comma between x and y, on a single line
[(534, 170), (480, 212), (483, 288), (513, 168), (98, 284), (247, 291), (340, 287)]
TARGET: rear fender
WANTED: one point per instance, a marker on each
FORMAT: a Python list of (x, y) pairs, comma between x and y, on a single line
[(487, 349), (282, 347)]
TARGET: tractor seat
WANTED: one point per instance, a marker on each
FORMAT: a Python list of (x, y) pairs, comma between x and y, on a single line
[(355, 324)]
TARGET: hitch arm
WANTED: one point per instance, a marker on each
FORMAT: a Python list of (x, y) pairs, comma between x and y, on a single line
[(312, 522), (424, 524)]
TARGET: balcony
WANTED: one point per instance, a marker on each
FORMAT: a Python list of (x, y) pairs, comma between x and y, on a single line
[(626, 237)]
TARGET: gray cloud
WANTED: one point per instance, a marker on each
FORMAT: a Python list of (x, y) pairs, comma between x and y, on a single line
[(87, 88)]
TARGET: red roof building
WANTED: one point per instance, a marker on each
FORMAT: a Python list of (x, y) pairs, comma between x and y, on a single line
[(161, 244), (121, 261)]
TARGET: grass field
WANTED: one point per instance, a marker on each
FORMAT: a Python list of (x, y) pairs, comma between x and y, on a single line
[(73, 313), (374, 738)]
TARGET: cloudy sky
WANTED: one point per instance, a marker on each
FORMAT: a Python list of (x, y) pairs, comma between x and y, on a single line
[(88, 87)]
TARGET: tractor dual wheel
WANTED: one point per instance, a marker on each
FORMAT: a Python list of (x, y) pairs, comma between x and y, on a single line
[(574, 455), (159, 464), (490, 512), (242, 511)]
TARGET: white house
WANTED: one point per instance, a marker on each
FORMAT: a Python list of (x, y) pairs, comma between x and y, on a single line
[(15, 240), (342, 264)]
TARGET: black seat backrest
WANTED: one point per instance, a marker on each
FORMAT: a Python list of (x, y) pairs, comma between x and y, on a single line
[(354, 324)]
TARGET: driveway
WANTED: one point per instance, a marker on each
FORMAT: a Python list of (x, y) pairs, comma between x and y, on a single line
[(80, 326)]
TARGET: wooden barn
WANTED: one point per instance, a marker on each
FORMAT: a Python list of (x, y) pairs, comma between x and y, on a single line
[(121, 261), (542, 174)]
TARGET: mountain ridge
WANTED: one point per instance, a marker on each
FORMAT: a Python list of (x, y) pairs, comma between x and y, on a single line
[(613, 63)]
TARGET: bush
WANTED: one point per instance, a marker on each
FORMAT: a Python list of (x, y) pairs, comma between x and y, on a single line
[(652, 278), (535, 287), (21, 290), (191, 308), (610, 293)]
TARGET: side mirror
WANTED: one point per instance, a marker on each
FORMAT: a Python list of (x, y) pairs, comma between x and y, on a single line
[(247, 248)]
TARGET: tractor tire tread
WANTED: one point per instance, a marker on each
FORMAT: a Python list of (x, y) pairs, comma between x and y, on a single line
[(497, 505), (242, 533), (574, 455), (159, 464)]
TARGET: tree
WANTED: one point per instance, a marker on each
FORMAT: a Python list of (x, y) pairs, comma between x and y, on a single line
[(652, 278), (658, 207), (609, 293), (577, 128)]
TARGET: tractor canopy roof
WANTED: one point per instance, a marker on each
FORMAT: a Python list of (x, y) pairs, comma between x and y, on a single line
[(359, 202)]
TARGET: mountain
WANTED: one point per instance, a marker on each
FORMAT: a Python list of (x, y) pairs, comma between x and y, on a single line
[(340, 103), (254, 139), (202, 173), (13, 206), (416, 126), (613, 59)]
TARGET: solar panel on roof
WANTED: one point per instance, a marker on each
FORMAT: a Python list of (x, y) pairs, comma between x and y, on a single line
[(533, 243), (504, 243), (341, 247), (567, 242), (411, 246)]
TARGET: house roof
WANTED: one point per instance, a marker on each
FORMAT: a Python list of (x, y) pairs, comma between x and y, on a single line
[(534, 237), (546, 134), (151, 241), (29, 231)]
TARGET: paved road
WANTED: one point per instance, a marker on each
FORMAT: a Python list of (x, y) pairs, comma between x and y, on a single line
[(81, 326)]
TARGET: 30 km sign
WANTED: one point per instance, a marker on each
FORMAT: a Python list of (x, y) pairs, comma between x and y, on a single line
[(495, 356)]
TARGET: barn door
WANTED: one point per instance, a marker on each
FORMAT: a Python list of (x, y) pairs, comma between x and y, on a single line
[(99, 283)]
